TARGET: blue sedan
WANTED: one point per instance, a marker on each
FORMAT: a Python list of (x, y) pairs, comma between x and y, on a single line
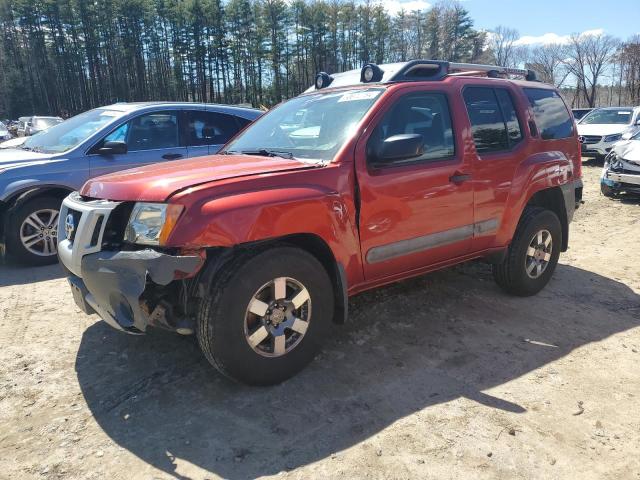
[(36, 176)]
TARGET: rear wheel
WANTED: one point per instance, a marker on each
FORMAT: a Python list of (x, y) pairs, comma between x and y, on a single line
[(533, 253), (32, 232), (266, 315)]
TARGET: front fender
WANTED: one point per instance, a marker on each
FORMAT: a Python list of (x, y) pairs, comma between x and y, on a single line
[(538, 172), (273, 213), (66, 173)]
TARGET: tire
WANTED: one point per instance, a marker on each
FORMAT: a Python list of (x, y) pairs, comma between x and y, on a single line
[(512, 274), (225, 322), (607, 191), (23, 223)]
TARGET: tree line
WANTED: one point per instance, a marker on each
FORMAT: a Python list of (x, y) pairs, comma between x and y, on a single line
[(66, 56)]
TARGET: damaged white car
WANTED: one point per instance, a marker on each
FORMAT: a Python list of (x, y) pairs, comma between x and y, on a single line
[(621, 172)]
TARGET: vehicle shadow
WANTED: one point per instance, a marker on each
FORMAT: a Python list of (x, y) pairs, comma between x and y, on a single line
[(19, 275), (407, 347)]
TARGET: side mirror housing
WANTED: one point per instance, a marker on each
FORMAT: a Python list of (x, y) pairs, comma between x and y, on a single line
[(113, 148), (400, 147)]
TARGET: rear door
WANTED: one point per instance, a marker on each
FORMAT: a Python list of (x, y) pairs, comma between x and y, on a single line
[(151, 137), (497, 133), (416, 212), (205, 131)]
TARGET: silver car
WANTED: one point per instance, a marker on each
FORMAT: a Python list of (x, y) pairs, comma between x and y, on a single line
[(36, 176)]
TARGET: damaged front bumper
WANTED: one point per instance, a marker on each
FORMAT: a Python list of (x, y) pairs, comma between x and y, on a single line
[(621, 175), (113, 285), (129, 289)]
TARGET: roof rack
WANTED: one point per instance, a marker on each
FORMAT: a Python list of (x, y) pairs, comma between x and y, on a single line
[(416, 71)]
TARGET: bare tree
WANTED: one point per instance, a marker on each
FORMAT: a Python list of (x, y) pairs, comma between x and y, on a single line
[(588, 57), (629, 71), (501, 43), (548, 61)]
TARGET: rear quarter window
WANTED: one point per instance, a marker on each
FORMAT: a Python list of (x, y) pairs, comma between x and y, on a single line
[(550, 112)]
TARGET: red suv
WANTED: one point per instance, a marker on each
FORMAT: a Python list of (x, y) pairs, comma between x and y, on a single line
[(369, 177)]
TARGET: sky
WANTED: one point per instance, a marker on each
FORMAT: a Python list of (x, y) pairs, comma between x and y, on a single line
[(546, 21)]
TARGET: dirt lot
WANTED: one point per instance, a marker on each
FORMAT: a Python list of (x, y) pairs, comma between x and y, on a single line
[(438, 377)]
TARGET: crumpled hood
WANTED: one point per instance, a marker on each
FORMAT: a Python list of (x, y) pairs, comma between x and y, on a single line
[(601, 129), (13, 157), (155, 183), (628, 150)]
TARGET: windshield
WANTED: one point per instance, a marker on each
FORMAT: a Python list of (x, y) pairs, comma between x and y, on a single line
[(617, 116), (308, 127), (66, 135)]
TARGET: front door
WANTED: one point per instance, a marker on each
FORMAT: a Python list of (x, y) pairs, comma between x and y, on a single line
[(415, 212), (150, 138)]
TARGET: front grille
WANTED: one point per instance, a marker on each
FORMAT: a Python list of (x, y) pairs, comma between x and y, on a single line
[(116, 224), (587, 139), (71, 224)]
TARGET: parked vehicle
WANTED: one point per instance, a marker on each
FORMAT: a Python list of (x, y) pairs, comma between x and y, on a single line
[(31, 125), (602, 128), (35, 177), (13, 143), (621, 172), (4, 132), (12, 126), (400, 169), (579, 113)]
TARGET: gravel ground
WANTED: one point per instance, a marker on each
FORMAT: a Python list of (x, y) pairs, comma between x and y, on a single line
[(443, 376)]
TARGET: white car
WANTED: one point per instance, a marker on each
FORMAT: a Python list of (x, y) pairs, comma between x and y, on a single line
[(13, 143), (4, 132), (599, 130), (621, 172)]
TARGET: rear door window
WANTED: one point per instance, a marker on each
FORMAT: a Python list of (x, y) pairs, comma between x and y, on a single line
[(494, 122), (209, 128), (550, 112)]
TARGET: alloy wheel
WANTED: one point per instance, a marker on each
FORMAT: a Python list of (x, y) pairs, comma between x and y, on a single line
[(277, 317), (538, 254), (39, 232)]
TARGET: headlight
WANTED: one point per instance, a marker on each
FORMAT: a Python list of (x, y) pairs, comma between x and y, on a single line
[(151, 223), (612, 138)]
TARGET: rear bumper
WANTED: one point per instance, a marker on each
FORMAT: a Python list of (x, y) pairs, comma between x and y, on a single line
[(112, 285)]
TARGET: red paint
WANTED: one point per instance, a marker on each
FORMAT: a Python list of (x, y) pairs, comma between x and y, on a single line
[(235, 199)]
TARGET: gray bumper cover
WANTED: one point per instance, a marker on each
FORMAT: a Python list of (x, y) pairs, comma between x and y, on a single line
[(112, 283)]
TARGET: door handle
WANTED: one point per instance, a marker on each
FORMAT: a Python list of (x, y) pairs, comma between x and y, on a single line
[(172, 156), (459, 177)]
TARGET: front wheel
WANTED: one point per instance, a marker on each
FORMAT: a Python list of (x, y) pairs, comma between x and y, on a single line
[(266, 315), (607, 191), (533, 253), (32, 232)]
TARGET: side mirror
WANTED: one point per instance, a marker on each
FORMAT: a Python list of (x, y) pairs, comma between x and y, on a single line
[(113, 148), (401, 147), (627, 135)]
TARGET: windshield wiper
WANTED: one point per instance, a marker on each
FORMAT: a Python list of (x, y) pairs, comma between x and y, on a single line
[(31, 149), (263, 152)]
